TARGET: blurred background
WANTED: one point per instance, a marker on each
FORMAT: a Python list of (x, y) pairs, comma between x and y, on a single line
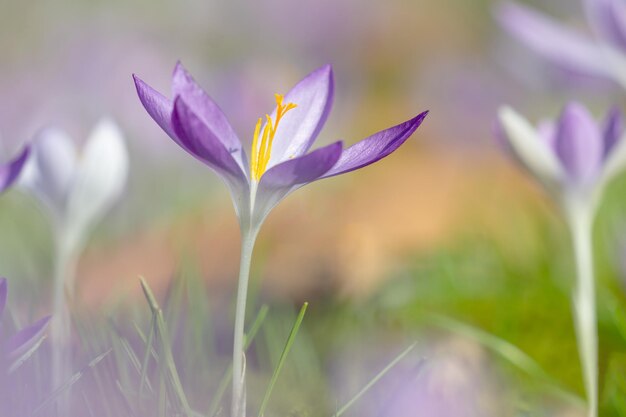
[(446, 242)]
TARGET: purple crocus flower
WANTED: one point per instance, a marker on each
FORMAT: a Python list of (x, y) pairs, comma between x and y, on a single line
[(602, 55), (575, 156), (10, 171), (279, 161)]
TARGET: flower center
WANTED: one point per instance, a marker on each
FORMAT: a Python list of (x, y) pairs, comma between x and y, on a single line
[(261, 152)]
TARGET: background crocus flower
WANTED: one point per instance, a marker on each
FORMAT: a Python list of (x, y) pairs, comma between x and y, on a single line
[(10, 172), (76, 191), (279, 160), (574, 158), (601, 56)]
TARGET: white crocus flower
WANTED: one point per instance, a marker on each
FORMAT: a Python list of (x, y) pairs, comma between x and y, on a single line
[(76, 189)]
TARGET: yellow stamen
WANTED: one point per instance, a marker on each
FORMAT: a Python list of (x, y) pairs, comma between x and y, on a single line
[(261, 152), (265, 146), (255, 147)]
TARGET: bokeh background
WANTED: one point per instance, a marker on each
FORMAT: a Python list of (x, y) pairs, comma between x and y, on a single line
[(446, 242)]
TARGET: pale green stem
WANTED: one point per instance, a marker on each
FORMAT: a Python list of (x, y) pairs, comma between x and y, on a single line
[(64, 272), (238, 406), (584, 300)]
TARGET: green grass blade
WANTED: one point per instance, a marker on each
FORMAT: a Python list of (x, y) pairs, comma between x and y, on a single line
[(69, 383), (374, 380), (167, 352), (146, 357), (228, 375), (509, 352), (283, 357)]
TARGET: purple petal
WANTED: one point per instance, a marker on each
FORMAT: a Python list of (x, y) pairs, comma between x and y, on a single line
[(25, 339), (157, 105), (206, 110), (608, 18), (11, 171), (568, 49), (547, 131), (196, 138), (3, 295), (50, 172), (299, 128), (613, 130), (579, 144), (280, 180), (303, 169), (376, 146)]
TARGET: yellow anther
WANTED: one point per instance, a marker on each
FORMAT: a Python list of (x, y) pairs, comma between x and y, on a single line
[(261, 152)]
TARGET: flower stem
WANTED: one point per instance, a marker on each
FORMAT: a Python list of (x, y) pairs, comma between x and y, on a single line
[(238, 406), (584, 302), (64, 272)]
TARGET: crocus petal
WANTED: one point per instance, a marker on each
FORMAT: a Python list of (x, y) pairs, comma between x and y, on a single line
[(3, 295), (199, 140), (99, 180), (284, 178), (375, 147), (615, 160), (608, 18), (208, 111), (10, 172), (303, 169), (299, 128), (613, 130), (566, 48), (50, 172), (579, 144), (534, 152), (24, 340), (156, 104)]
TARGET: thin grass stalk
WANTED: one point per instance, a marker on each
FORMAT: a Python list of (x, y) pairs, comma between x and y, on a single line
[(283, 356), (166, 357), (374, 380)]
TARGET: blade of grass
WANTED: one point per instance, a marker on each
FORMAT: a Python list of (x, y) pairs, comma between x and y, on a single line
[(63, 388), (228, 375), (283, 356), (374, 380), (167, 352), (510, 352), (25, 356), (146, 356)]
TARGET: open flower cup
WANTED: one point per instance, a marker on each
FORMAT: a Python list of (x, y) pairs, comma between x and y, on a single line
[(279, 162)]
